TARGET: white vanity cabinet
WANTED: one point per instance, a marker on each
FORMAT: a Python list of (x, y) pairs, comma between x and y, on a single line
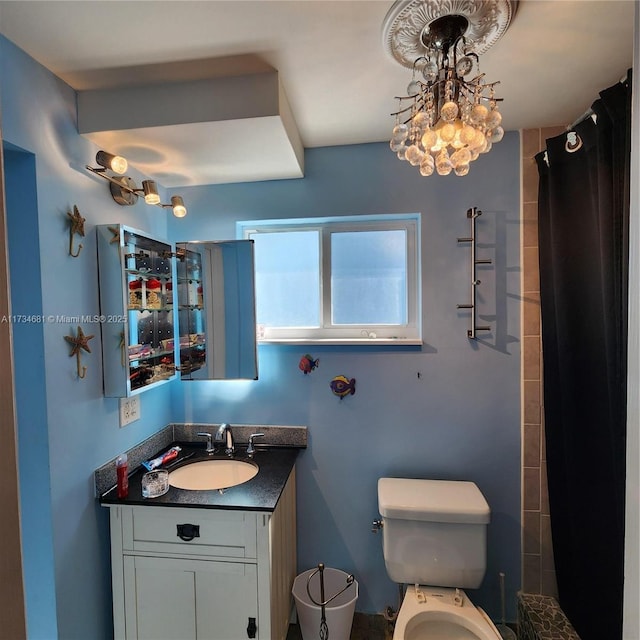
[(212, 574)]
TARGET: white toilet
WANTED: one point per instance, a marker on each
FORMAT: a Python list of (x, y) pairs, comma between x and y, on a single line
[(434, 538)]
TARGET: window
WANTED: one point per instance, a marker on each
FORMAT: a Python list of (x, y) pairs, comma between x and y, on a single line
[(338, 280)]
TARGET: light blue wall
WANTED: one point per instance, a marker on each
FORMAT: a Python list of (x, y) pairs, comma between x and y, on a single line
[(58, 414), (460, 419), (28, 342)]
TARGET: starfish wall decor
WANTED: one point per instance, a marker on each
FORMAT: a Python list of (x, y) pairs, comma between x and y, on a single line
[(76, 225), (79, 342)]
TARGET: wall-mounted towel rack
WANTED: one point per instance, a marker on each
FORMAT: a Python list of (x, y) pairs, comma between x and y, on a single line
[(473, 214)]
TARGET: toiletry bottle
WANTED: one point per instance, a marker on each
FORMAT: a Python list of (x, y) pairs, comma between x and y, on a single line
[(123, 479)]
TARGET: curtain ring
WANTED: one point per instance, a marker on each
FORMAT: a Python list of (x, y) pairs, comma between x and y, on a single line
[(573, 143)]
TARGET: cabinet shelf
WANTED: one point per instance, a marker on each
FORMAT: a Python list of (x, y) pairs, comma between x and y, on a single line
[(150, 309), (150, 356), (146, 275)]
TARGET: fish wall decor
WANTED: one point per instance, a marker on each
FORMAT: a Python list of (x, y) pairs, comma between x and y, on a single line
[(307, 363), (343, 386)]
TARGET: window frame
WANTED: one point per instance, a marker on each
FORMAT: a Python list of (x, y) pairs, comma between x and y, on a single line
[(366, 333)]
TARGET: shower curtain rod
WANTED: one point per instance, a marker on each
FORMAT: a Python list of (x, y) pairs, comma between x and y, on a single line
[(589, 112)]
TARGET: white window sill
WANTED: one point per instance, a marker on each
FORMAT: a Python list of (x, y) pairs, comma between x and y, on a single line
[(344, 341)]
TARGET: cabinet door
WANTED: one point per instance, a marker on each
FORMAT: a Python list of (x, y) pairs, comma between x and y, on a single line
[(175, 599), (136, 305)]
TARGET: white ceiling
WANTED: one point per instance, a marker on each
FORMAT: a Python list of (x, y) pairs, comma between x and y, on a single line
[(338, 81)]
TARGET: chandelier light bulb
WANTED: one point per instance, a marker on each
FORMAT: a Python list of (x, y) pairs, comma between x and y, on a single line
[(447, 132), (467, 134), (429, 139), (430, 71), (420, 120), (478, 140), (400, 132), (413, 88), (493, 119), (479, 114), (427, 166), (464, 66), (496, 135), (414, 155), (449, 111)]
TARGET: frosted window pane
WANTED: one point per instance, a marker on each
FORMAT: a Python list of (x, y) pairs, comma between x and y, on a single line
[(369, 277), (287, 278)]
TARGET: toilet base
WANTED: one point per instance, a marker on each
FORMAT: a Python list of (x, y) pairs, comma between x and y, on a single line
[(437, 613)]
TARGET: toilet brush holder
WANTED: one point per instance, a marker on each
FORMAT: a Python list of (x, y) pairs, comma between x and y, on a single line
[(506, 633)]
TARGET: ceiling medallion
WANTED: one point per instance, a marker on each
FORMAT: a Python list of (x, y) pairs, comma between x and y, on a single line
[(408, 20), (449, 114)]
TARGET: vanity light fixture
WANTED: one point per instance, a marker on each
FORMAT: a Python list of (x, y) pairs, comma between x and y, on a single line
[(150, 190), (177, 204), (450, 113), (117, 164), (124, 189)]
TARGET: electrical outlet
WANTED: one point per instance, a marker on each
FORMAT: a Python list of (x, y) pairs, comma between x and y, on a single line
[(129, 410)]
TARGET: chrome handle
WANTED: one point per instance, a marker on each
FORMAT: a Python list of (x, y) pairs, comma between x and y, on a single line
[(250, 448), (376, 525), (208, 436)]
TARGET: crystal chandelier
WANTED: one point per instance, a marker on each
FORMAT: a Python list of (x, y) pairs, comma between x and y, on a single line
[(450, 114)]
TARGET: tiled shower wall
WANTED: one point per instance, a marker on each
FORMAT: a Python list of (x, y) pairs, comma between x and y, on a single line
[(538, 570)]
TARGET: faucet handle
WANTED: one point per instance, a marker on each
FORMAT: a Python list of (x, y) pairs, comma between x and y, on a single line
[(250, 448), (210, 446)]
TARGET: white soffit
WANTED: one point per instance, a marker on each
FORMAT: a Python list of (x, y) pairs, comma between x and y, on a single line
[(204, 131)]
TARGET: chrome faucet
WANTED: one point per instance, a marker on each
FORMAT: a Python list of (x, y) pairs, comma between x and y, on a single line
[(210, 446), (224, 433)]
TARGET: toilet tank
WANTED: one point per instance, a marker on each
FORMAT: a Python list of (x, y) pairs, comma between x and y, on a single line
[(434, 531)]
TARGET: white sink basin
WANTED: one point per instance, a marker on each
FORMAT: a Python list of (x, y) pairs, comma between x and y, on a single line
[(213, 474)]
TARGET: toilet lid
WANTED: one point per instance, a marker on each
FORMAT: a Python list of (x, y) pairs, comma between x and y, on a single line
[(432, 500)]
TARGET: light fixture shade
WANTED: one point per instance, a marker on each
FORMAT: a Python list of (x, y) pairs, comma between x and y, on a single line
[(179, 210), (117, 164), (150, 190)]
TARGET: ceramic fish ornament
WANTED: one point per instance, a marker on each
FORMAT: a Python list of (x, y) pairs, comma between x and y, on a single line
[(307, 364), (343, 386)]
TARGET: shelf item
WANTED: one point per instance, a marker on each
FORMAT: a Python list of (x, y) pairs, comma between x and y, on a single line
[(473, 214), (135, 273)]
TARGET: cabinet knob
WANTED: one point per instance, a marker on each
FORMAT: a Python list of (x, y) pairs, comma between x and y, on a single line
[(188, 532), (252, 628)]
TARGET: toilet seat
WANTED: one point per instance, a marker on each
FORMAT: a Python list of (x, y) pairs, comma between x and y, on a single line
[(436, 613)]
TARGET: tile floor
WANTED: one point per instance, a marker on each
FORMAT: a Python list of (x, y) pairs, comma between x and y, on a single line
[(365, 627)]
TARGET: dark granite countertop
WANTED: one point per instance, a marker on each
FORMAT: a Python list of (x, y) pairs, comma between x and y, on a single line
[(261, 493)]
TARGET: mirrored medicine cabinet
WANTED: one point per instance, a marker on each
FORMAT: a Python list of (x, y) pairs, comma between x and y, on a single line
[(216, 310), (186, 309)]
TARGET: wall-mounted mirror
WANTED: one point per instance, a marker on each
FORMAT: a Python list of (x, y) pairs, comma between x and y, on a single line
[(216, 310)]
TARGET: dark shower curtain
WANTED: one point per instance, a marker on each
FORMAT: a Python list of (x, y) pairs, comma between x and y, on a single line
[(583, 244)]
